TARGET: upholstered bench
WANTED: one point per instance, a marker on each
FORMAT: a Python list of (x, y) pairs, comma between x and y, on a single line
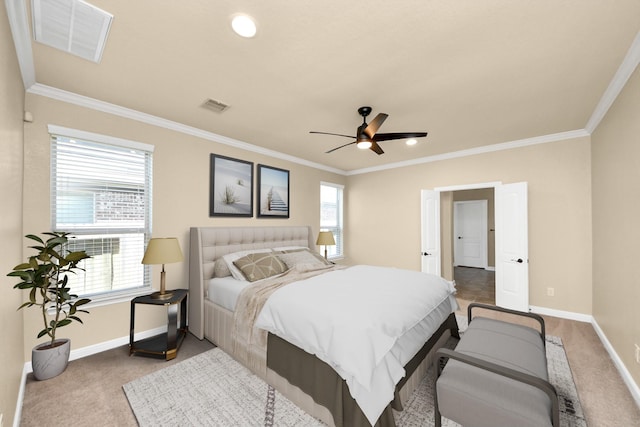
[(496, 376)]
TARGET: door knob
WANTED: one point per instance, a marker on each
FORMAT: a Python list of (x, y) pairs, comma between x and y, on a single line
[(459, 237), (519, 260), (425, 254)]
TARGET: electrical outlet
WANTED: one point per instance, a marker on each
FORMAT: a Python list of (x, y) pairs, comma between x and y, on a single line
[(637, 353), (551, 292)]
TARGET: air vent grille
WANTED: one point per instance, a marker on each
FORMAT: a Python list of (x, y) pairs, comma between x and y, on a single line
[(72, 26), (217, 106)]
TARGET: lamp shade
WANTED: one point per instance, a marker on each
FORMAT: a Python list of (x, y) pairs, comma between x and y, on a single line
[(162, 251), (325, 238)]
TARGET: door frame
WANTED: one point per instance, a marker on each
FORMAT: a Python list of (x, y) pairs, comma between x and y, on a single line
[(437, 192)]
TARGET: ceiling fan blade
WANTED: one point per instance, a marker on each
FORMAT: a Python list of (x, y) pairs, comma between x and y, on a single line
[(342, 146), (376, 148), (399, 135), (375, 124), (334, 134)]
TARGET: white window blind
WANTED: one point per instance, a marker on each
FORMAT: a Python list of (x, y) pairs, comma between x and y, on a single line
[(331, 216), (101, 193)]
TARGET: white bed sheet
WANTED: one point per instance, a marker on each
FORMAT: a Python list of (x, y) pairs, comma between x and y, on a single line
[(224, 291), (367, 344)]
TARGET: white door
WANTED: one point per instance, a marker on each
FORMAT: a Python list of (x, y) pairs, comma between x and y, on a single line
[(470, 233), (512, 255), (430, 241)]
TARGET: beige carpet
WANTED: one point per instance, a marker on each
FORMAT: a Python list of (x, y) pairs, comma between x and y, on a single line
[(212, 389), (94, 397)]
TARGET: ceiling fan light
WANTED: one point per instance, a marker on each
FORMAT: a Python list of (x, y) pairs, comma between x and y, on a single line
[(363, 145), (411, 141), (244, 26)]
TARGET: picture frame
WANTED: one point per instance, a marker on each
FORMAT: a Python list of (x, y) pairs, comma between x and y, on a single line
[(230, 187), (273, 192)]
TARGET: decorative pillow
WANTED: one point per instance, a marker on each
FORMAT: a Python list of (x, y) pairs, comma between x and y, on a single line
[(220, 268), (259, 266), (229, 258), (302, 256)]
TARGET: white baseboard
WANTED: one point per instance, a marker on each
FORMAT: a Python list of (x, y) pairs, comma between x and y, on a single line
[(490, 268), (78, 354), (624, 372), (562, 314), (619, 364)]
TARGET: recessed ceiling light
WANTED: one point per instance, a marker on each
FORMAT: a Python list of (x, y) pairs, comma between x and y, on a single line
[(244, 25), (412, 141)]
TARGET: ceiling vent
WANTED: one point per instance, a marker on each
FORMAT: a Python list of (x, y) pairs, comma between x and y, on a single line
[(214, 105), (72, 26)]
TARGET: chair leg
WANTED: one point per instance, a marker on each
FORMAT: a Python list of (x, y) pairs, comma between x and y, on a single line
[(436, 412)]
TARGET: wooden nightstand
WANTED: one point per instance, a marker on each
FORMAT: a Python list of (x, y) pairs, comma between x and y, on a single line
[(164, 345)]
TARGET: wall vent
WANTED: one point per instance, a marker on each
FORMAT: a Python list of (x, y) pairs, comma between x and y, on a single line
[(72, 26), (216, 106)]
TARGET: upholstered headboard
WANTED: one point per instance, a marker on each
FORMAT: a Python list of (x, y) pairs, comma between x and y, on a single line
[(210, 243)]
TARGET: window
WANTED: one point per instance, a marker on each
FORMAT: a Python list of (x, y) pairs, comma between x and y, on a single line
[(331, 216), (101, 193)]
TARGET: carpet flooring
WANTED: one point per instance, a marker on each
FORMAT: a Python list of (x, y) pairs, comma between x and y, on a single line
[(93, 394), (211, 389)]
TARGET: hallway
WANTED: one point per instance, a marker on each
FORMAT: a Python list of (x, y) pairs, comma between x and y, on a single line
[(475, 284)]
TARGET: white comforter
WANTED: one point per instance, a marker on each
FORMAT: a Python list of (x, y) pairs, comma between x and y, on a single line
[(352, 318)]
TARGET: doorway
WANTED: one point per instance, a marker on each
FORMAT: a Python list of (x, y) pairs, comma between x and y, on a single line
[(472, 241), (510, 254)]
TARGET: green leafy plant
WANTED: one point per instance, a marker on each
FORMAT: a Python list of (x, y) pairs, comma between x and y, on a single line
[(46, 275)]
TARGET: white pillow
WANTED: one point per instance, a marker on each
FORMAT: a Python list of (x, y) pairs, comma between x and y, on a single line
[(229, 258), (290, 248)]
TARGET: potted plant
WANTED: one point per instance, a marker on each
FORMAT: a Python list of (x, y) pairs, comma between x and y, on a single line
[(46, 276)]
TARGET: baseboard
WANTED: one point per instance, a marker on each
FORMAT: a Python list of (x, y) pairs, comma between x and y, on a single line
[(562, 314), (619, 364), (78, 354), (490, 268), (624, 372)]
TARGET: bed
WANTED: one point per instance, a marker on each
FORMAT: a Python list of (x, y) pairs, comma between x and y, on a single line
[(309, 380)]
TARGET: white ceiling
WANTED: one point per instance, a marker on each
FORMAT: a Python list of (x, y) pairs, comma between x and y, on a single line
[(472, 73)]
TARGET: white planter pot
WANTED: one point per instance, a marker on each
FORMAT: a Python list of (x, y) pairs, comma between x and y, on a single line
[(50, 362)]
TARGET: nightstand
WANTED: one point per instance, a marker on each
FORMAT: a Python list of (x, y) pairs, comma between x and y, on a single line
[(164, 345)]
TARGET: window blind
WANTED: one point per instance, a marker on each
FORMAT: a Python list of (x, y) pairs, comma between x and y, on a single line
[(101, 193)]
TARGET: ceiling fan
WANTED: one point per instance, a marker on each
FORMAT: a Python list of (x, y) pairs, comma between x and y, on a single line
[(367, 136)]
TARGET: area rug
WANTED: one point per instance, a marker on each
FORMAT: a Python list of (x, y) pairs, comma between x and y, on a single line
[(212, 389)]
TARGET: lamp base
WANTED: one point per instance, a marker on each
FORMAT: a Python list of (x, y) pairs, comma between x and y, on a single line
[(162, 295)]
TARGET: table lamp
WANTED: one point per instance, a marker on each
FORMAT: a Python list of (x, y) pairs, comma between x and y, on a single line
[(325, 238), (162, 251)]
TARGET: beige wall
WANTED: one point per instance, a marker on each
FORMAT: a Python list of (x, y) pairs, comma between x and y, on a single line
[(180, 201), (383, 225), (616, 209), (11, 128)]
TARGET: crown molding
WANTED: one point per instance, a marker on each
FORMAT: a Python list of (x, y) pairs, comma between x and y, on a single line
[(19, 23), (627, 67), (18, 20), (478, 150), (105, 107)]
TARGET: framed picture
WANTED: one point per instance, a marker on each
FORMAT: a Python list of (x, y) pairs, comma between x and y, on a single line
[(230, 187), (273, 192)]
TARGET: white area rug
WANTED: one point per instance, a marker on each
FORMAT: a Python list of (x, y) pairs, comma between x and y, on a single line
[(211, 389)]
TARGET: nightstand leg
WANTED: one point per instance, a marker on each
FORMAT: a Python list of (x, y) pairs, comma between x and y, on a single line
[(172, 331), (132, 325)]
